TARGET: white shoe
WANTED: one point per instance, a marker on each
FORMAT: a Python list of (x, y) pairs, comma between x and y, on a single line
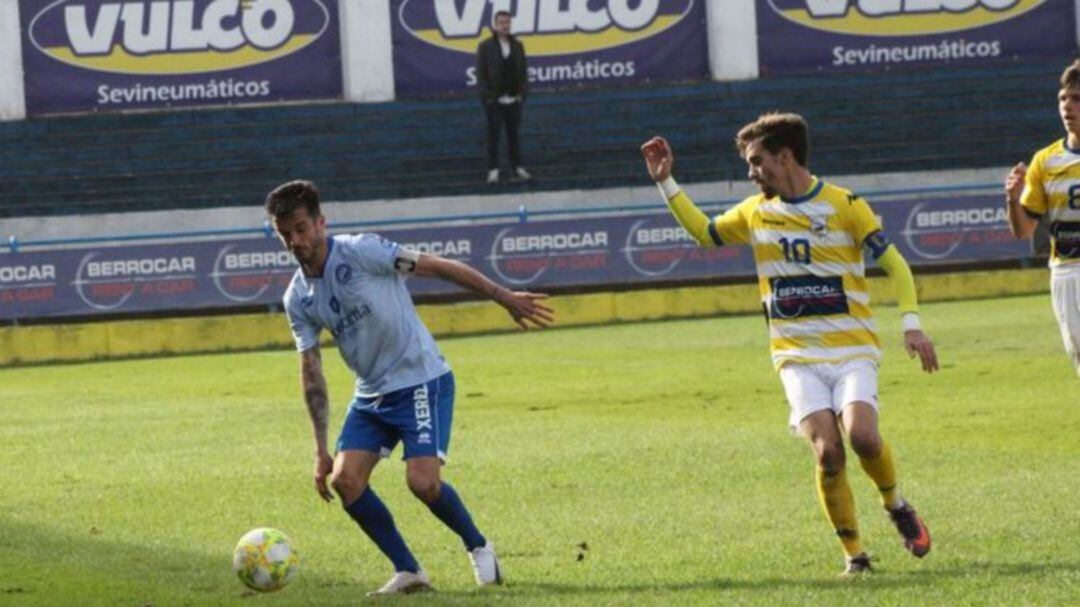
[(405, 582), (493, 176), (522, 174), (486, 565)]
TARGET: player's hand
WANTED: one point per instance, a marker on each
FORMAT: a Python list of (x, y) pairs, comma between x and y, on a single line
[(659, 159), (525, 306), (916, 342), (1014, 182), (324, 464)]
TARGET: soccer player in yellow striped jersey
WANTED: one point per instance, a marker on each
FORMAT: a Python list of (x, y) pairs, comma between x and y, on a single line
[(808, 238), (1050, 188)]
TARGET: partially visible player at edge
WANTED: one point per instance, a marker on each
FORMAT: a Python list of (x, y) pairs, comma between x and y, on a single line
[(1051, 188), (354, 286), (808, 238)]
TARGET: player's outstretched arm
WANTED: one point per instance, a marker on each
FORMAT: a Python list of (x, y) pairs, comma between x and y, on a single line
[(1021, 224), (659, 161), (524, 307), (915, 341), (318, 404)]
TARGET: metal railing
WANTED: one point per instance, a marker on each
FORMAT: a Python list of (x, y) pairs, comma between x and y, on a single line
[(14, 244)]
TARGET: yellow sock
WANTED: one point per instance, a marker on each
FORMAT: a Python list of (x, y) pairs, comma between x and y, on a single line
[(882, 471), (839, 506)]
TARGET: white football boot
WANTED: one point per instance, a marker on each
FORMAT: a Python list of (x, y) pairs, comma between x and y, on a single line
[(405, 582), (486, 565)]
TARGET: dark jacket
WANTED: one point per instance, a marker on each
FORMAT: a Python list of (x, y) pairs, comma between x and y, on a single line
[(493, 79)]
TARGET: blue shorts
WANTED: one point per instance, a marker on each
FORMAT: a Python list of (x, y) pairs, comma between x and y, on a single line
[(419, 416)]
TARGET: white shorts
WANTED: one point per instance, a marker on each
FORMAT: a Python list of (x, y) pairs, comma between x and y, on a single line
[(820, 386), (1065, 295)]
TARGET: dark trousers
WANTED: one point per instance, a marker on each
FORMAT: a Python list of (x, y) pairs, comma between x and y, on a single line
[(498, 115)]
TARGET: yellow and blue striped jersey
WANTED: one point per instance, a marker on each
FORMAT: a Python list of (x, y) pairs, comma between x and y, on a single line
[(809, 257), (1052, 189)]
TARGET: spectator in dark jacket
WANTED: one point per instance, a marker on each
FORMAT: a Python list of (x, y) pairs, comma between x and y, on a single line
[(503, 80)]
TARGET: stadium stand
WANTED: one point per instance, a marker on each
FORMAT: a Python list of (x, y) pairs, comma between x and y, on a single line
[(579, 139)]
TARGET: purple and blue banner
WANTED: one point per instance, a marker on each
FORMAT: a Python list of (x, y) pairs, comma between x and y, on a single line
[(104, 55), (596, 251), (834, 36), (585, 42)]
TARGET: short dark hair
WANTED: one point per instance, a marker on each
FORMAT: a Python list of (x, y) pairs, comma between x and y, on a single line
[(499, 14), (777, 131), (290, 196), (1070, 78)]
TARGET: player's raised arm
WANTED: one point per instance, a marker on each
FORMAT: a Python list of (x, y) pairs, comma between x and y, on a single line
[(524, 307), (1021, 223), (318, 404), (659, 161)]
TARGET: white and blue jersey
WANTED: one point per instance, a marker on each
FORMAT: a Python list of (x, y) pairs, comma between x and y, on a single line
[(362, 300)]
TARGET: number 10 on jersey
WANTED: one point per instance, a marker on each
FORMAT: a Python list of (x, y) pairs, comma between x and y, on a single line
[(797, 250)]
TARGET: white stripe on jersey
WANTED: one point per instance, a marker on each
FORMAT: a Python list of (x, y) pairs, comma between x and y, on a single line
[(1059, 186), (1061, 161), (828, 353), (826, 239), (858, 297), (813, 327), (772, 269), (798, 211), (1063, 214)]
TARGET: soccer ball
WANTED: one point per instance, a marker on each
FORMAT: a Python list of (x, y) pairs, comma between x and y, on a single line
[(264, 560)]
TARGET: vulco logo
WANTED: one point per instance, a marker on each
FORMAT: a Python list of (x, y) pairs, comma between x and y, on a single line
[(165, 37), (900, 17), (547, 27)]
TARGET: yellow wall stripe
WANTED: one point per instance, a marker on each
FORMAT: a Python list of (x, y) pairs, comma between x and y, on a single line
[(129, 338)]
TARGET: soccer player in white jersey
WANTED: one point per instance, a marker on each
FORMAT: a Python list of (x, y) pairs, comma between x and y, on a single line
[(808, 238), (354, 286), (1050, 188)]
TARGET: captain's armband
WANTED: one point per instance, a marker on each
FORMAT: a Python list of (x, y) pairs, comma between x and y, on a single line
[(405, 260), (877, 243)]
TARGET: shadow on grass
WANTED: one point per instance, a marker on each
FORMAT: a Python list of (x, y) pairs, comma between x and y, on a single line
[(877, 580), (41, 566)]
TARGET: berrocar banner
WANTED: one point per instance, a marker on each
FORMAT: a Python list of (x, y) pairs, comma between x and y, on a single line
[(829, 36), (102, 55), (567, 43), (538, 254)]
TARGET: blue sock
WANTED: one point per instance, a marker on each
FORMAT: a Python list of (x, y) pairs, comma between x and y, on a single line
[(449, 509), (373, 517)]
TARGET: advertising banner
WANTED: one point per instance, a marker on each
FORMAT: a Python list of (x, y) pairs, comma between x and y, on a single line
[(832, 36), (104, 55), (583, 42), (537, 255)]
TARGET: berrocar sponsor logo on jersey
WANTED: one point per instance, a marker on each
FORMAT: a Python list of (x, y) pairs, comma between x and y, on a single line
[(546, 27), (934, 231), (248, 275), (900, 17), (106, 283), (798, 296), (523, 258), (170, 37)]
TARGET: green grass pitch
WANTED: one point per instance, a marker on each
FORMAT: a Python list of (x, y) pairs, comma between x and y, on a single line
[(629, 464)]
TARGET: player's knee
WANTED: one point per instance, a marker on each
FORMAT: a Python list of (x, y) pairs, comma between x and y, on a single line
[(348, 485), (425, 487), (830, 455), (866, 444)]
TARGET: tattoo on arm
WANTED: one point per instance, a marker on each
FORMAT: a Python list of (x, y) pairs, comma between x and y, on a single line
[(314, 384)]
